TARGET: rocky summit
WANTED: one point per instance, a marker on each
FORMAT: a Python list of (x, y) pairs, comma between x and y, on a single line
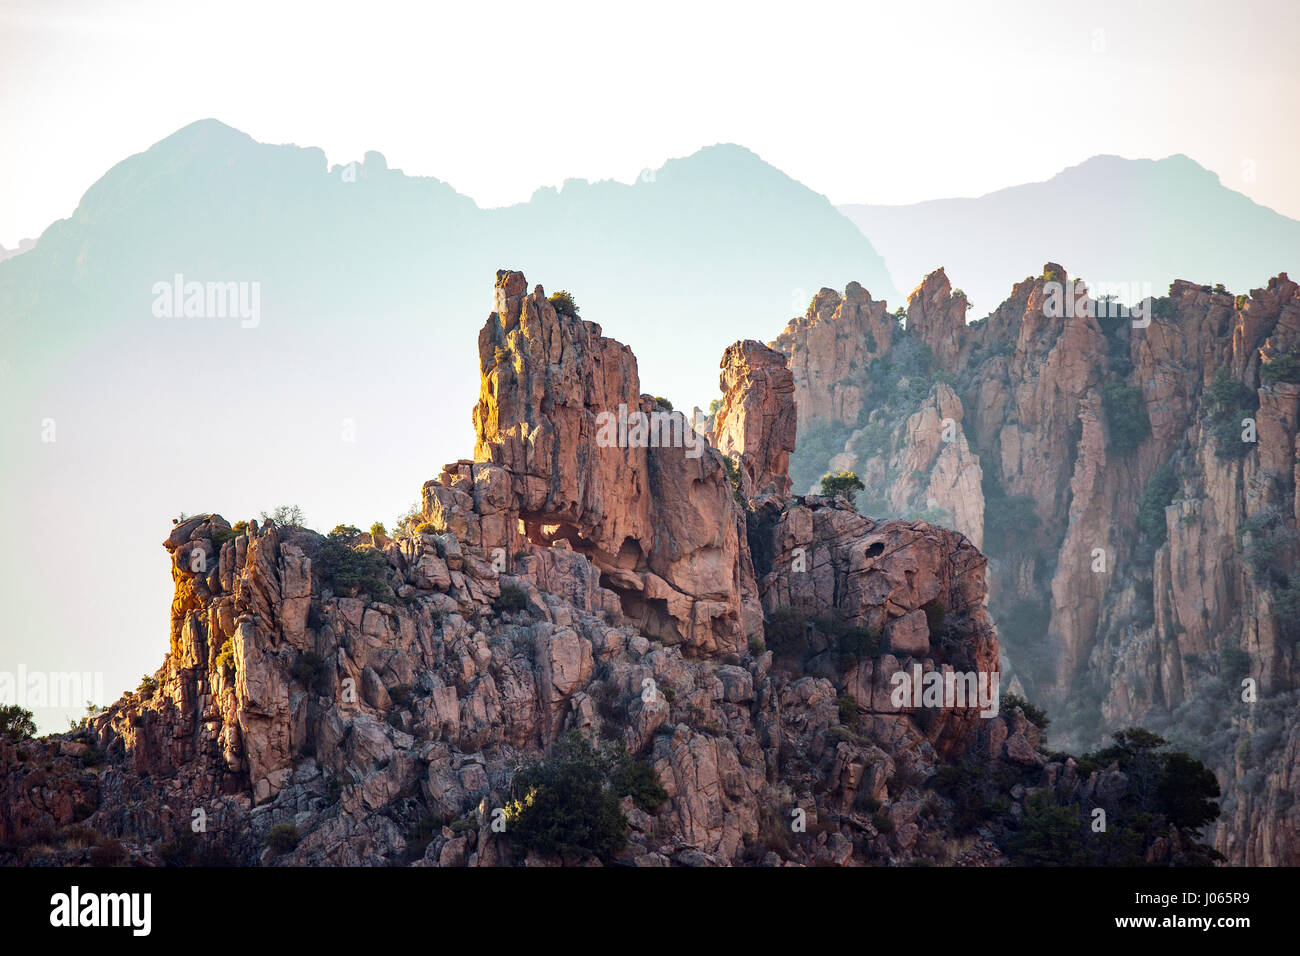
[(1130, 470), (642, 650)]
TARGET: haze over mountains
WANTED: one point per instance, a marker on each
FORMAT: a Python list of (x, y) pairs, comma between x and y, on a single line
[(370, 293), (370, 296), (1109, 219)]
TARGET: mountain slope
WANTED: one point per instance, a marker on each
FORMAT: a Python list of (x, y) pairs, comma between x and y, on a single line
[(1135, 490)]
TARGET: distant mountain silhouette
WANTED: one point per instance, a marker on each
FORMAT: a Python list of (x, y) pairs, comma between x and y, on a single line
[(23, 246), (1107, 220), (371, 287)]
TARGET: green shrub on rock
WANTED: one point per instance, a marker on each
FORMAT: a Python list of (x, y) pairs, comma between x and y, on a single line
[(1227, 403), (354, 571), (512, 598), (1126, 416), (1158, 494), (282, 837), (634, 778), (1034, 714), (563, 303), (566, 806), (785, 631), (16, 723), (308, 667), (845, 484), (1282, 367)]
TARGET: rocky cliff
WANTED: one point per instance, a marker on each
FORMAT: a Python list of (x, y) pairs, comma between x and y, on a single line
[(757, 421), (364, 699), (1132, 476)]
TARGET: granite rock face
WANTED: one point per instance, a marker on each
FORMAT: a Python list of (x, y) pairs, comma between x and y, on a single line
[(757, 419), (920, 587), (826, 346), (1132, 477), (376, 696), (559, 412)]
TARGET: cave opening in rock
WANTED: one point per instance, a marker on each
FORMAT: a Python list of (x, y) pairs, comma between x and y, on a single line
[(619, 573), (544, 531)]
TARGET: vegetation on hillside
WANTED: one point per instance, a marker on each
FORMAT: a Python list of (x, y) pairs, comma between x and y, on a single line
[(567, 805), (1126, 416), (845, 484), (1158, 494), (563, 303), (1164, 792), (1227, 403), (16, 723)]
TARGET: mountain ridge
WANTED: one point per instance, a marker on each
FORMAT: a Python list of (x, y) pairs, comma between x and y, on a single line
[(1117, 219), (1132, 480)]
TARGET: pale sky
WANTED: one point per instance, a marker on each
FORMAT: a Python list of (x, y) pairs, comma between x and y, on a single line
[(864, 102)]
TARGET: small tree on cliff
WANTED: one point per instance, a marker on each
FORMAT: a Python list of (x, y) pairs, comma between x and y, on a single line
[(286, 516), (846, 484), (407, 521), (1126, 416), (16, 723), (563, 303), (565, 806)]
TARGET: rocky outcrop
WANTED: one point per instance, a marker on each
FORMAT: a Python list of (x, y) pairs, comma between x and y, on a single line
[(937, 317), (919, 466), (1139, 513), (757, 419), (836, 338), (920, 588), (592, 461), (357, 700)]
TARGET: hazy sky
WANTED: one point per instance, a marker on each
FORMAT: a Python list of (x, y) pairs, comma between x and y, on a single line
[(865, 102)]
